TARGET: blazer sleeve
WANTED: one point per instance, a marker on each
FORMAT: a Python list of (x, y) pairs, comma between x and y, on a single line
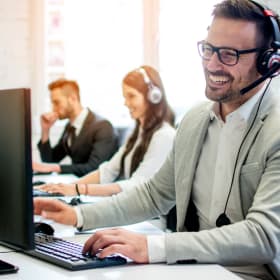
[(52, 154)]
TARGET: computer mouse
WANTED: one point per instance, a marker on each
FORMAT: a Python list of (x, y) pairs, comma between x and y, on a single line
[(44, 228), (75, 201)]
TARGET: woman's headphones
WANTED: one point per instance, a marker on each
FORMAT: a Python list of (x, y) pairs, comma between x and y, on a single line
[(154, 92), (269, 57)]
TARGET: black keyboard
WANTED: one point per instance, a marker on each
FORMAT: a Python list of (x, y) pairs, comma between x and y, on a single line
[(37, 192), (68, 254), (38, 183)]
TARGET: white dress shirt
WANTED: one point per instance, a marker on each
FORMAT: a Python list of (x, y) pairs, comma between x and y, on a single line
[(79, 121)]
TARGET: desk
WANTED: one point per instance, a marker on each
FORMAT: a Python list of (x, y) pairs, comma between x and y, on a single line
[(33, 269)]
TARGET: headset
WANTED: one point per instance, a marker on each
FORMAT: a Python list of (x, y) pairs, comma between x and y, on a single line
[(267, 58), (268, 61), (268, 65), (154, 92)]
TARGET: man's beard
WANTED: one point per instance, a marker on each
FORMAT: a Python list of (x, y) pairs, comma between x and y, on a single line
[(227, 96), (231, 93), (66, 114)]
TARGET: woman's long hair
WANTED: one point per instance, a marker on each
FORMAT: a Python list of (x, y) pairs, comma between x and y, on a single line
[(156, 114)]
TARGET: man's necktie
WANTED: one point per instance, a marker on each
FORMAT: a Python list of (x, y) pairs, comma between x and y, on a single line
[(69, 138)]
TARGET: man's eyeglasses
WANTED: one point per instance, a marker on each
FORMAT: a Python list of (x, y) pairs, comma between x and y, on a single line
[(227, 56)]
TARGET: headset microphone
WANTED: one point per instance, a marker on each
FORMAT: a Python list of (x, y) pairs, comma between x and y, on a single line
[(270, 74), (223, 220)]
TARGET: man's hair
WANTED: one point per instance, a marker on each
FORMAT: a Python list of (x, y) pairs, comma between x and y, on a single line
[(246, 10), (68, 86)]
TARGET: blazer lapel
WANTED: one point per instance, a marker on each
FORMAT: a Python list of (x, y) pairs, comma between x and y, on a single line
[(82, 134), (194, 134)]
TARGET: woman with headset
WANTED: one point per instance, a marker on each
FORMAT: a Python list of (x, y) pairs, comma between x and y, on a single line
[(146, 148)]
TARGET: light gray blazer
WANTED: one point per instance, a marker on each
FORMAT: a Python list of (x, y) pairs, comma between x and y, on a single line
[(255, 240)]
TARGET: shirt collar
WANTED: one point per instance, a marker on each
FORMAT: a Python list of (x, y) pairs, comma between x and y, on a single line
[(79, 121), (242, 112)]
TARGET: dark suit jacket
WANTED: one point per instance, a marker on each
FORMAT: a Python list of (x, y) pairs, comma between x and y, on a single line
[(96, 143)]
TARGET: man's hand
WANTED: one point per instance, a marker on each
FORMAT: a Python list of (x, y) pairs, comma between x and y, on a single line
[(47, 120), (55, 210), (121, 241), (65, 189), (46, 167)]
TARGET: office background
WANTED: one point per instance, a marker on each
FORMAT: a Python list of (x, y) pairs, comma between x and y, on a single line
[(97, 42)]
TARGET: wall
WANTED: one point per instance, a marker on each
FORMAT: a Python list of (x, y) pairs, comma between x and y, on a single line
[(15, 47), (21, 48)]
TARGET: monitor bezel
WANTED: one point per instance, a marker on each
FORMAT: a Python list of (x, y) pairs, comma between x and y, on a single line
[(24, 238)]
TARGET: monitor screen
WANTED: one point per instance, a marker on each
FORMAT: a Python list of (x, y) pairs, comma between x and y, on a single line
[(16, 205)]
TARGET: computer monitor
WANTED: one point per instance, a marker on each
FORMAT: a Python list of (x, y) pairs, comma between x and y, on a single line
[(16, 205)]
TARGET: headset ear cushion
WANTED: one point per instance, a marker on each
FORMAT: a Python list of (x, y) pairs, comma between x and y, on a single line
[(265, 61), (154, 95)]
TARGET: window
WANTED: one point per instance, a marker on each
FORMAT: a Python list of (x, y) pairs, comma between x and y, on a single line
[(181, 25), (95, 43)]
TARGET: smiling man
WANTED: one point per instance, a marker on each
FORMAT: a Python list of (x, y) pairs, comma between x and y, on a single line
[(223, 173)]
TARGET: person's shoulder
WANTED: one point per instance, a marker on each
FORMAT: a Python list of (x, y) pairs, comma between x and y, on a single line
[(97, 118), (270, 106), (197, 110), (194, 116), (272, 117), (166, 132)]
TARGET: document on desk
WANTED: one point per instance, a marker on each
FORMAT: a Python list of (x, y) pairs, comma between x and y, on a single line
[(143, 227)]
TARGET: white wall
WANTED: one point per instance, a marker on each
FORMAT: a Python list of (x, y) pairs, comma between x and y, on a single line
[(20, 47), (15, 47)]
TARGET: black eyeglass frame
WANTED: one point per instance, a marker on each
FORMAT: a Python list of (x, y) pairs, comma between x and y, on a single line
[(217, 50)]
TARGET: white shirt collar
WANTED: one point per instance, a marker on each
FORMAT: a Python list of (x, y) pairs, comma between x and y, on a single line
[(79, 121)]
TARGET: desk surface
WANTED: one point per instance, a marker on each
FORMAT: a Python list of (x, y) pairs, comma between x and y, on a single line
[(33, 269)]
